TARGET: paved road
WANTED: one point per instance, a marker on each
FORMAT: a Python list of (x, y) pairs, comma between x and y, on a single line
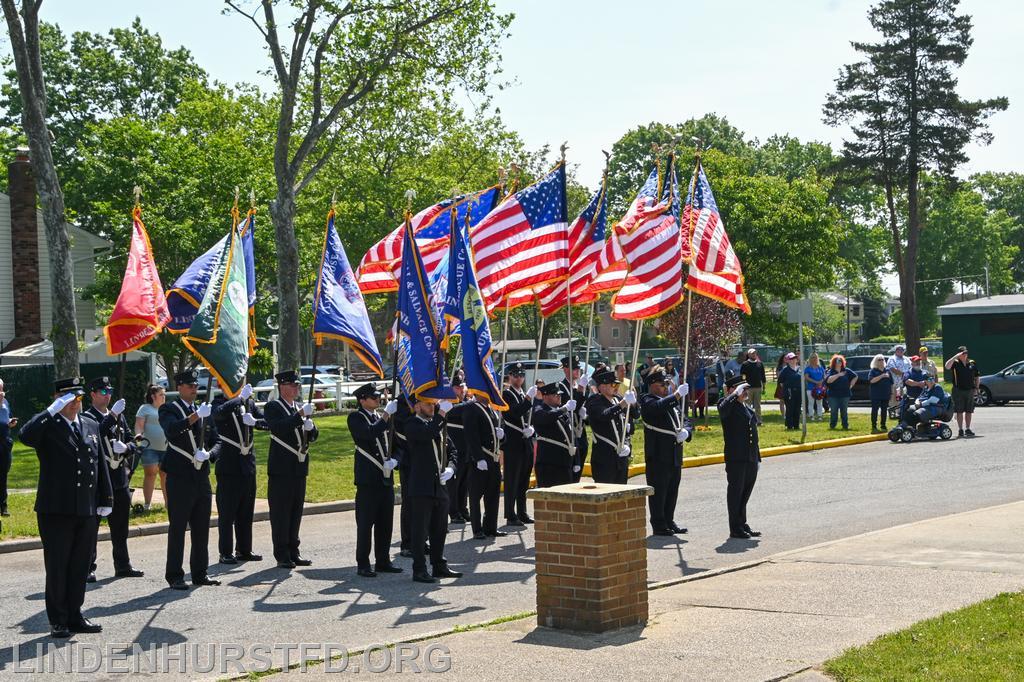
[(799, 500)]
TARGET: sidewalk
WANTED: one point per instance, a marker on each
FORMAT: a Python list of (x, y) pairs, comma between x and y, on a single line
[(775, 619)]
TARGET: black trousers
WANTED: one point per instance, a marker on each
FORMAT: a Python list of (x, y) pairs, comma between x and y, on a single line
[(429, 520), (405, 514), (879, 407), (664, 477), (486, 486), (375, 518), (286, 496), (458, 487), (607, 467), (518, 466), (188, 507), (549, 475), (792, 398), (741, 477), (117, 521), (236, 499), (5, 468), (67, 543), (579, 459)]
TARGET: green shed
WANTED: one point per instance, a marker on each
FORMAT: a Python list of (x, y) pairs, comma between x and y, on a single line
[(992, 329)]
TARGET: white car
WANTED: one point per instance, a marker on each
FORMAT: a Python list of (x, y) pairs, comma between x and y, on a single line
[(325, 386)]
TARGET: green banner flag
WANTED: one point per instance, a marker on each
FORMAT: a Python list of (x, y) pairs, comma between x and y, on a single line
[(219, 335)]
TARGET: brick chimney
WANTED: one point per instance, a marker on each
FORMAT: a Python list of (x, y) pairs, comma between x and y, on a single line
[(21, 186)]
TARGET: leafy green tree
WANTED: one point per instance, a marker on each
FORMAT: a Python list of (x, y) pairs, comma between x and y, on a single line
[(1005, 191), (828, 322)]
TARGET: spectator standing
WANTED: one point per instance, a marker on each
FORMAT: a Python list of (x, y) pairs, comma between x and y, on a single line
[(644, 369), (732, 369), (752, 371), (620, 375), (965, 386), (839, 381), (698, 392), (899, 367), (815, 374), (147, 425), (7, 422), (880, 390), (780, 393), (928, 365), (789, 380), (722, 369)]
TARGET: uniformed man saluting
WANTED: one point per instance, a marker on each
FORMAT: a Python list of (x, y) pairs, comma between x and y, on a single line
[(189, 496), (556, 446), (432, 464), (236, 421), (518, 446), (375, 481), (609, 417), (482, 435), (665, 431), (742, 454), (291, 432), (74, 488), (118, 449), (573, 388)]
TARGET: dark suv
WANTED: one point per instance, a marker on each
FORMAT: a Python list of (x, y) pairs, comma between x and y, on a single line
[(861, 365)]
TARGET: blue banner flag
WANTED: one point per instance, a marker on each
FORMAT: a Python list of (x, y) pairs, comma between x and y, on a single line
[(420, 358), (339, 311), (465, 307)]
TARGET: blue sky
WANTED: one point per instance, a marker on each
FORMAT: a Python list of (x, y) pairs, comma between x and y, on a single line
[(588, 70)]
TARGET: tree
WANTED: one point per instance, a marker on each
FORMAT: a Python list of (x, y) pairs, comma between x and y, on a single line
[(906, 117), (23, 30), (828, 321), (1005, 191), (713, 327), (340, 59)]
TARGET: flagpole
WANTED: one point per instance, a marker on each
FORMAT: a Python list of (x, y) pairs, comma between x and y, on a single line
[(689, 236), (601, 199), (316, 341), (590, 332), (409, 196), (536, 365), (504, 341), (124, 356), (636, 351)]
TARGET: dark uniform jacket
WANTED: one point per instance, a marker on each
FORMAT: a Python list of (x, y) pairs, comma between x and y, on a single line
[(400, 450), (183, 440), (661, 422), (514, 419), (578, 424), (426, 457), (553, 437), (370, 433), (455, 432), (114, 427), (607, 420), (233, 452), (72, 478), (289, 444), (479, 430), (739, 426)]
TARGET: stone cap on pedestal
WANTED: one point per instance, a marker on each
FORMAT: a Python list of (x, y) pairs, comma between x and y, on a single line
[(590, 492)]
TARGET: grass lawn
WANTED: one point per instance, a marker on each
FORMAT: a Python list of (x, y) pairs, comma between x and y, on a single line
[(330, 471), (980, 642)]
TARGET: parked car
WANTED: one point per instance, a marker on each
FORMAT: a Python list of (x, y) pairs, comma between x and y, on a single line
[(547, 370), (325, 387), (861, 366), (1002, 387)]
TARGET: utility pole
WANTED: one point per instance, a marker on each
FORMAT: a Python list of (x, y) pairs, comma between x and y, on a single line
[(847, 312)]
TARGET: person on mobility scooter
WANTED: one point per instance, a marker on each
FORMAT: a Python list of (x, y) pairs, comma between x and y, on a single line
[(926, 417)]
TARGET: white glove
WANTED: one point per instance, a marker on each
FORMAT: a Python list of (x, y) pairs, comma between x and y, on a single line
[(499, 432), (307, 409), (582, 383), (391, 407), (203, 411), (739, 389), (531, 392), (528, 431), (202, 455), (682, 390), (445, 406), (62, 401), (118, 407), (917, 403), (624, 451), (576, 469), (248, 419), (571, 405), (307, 424), (481, 464), (119, 447), (682, 435), (447, 474), (246, 392), (629, 398), (583, 412), (389, 465), (104, 511)]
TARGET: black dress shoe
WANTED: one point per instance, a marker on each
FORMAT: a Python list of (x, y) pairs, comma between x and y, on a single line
[(285, 564), (178, 585), (228, 559), (91, 578), (445, 572), (86, 626), (3, 511), (389, 568), (479, 535), (128, 573), (299, 561), (752, 533), (407, 553), (677, 530), (248, 556), (366, 572), (423, 577), (205, 580), (740, 535), (59, 631), (526, 519), (515, 523), (498, 534), (458, 519), (664, 532)]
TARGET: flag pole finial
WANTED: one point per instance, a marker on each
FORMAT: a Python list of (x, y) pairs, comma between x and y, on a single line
[(252, 198), (236, 196), (137, 191), (334, 199), (502, 176), (565, 145), (410, 194)]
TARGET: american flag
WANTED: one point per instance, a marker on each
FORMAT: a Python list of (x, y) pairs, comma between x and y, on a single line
[(380, 268), (586, 240), (715, 270), (524, 243), (651, 246)]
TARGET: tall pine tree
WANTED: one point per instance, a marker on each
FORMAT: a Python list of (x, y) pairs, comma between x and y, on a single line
[(906, 117)]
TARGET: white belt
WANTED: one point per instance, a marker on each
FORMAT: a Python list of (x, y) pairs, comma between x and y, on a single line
[(115, 462), (615, 446), (287, 446), (660, 430), (493, 454), (376, 462), (514, 427), (189, 456), (242, 450), (454, 426), (555, 442)]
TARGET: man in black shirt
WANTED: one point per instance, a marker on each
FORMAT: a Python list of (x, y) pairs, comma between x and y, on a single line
[(965, 386), (752, 371)]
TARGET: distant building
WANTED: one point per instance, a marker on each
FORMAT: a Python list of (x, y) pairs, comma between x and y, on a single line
[(992, 328), (26, 303)]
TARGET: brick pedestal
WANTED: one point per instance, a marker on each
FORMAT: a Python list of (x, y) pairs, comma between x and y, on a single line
[(591, 546)]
